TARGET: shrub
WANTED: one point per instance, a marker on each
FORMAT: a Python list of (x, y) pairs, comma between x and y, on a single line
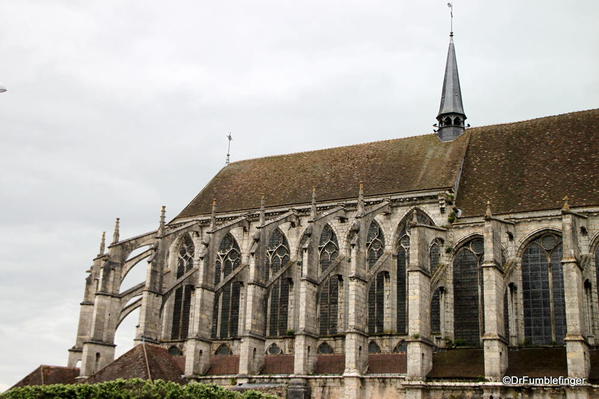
[(130, 389)]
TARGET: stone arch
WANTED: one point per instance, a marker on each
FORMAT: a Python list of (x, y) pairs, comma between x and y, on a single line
[(468, 292), (523, 243), (223, 350), (174, 350), (325, 349), (373, 347), (274, 349)]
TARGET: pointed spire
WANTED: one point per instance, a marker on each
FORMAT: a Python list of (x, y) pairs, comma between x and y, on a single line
[(451, 117), (361, 200), (262, 212), (313, 207), (213, 215), (488, 213), (117, 231), (102, 244), (162, 220), (566, 206)]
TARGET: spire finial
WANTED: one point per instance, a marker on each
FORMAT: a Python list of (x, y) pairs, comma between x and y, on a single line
[(488, 213), (313, 208), (213, 215), (450, 5), (162, 219), (229, 137), (117, 231), (262, 210), (566, 206), (102, 244), (361, 199)]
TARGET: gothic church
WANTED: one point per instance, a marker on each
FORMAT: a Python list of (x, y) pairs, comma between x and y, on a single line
[(420, 267)]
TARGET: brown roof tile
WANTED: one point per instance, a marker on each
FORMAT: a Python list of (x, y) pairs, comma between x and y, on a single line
[(519, 166), (532, 165), (458, 363), (161, 365), (382, 363), (537, 362), (392, 166), (45, 375)]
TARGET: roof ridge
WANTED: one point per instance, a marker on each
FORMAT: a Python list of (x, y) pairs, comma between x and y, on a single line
[(534, 119)]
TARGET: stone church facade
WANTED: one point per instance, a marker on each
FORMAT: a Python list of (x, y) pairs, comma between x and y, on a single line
[(428, 266)]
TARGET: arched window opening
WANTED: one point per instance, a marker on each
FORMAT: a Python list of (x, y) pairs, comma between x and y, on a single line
[(436, 311), (468, 295), (543, 291), (457, 121), (447, 121), (376, 304), (403, 250), (225, 322), (597, 265), (329, 306), (588, 296), (328, 247), (435, 254), (325, 349), (223, 350), (375, 243), (373, 347), (278, 256), (175, 351), (182, 305), (274, 349), (401, 347)]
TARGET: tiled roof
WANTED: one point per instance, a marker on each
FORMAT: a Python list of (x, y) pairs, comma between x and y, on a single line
[(159, 365), (532, 165), (519, 166), (392, 166), (45, 375)]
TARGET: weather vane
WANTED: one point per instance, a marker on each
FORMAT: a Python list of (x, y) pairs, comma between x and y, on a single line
[(451, 20), (229, 137)]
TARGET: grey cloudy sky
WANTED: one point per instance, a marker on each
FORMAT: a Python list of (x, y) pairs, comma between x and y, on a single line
[(116, 107)]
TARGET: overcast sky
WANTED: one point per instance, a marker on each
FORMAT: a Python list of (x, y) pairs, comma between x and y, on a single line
[(115, 107)]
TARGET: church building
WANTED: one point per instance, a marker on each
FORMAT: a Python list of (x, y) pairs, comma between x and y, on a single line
[(429, 266)]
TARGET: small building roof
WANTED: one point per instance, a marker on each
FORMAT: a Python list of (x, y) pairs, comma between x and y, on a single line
[(46, 375)]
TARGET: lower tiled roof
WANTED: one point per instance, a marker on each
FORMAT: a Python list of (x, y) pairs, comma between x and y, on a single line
[(46, 375)]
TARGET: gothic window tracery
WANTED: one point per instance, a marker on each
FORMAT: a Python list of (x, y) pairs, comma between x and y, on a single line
[(436, 311), (225, 323), (328, 247), (402, 266), (182, 300), (468, 296), (278, 256), (543, 291), (376, 304), (328, 300), (375, 243), (435, 254)]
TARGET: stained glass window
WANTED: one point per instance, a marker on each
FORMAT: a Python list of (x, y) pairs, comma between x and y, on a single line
[(328, 247), (376, 304), (182, 305), (467, 295), (278, 256), (436, 311), (375, 243), (402, 266), (435, 254), (225, 322), (328, 300), (543, 290)]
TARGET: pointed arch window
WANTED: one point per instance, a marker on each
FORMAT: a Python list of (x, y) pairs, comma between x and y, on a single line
[(436, 311), (328, 247), (435, 254), (225, 322), (376, 304), (375, 243), (403, 249), (467, 292), (328, 301), (543, 291), (278, 256), (182, 305)]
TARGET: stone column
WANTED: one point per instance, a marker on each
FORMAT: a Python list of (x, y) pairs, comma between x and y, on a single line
[(149, 315), (197, 346), (420, 347), (251, 357), (86, 311), (494, 338), (577, 347)]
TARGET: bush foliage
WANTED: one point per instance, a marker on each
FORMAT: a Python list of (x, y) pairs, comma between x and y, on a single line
[(130, 389)]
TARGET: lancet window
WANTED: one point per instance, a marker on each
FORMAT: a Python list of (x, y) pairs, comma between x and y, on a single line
[(182, 305), (278, 311), (375, 243), (328, 299), (376, 304), (467, 292), (225, 322), (435, 254), (543, 291), (328, 247), (403, 249), (436, 311)]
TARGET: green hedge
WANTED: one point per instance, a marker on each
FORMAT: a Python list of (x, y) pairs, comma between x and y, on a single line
[(130, 389)]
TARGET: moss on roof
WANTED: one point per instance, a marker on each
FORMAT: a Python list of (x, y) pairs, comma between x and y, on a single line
[(519, 166)]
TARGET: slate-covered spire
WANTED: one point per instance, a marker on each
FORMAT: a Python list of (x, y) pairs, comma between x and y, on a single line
[(451, 118)]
